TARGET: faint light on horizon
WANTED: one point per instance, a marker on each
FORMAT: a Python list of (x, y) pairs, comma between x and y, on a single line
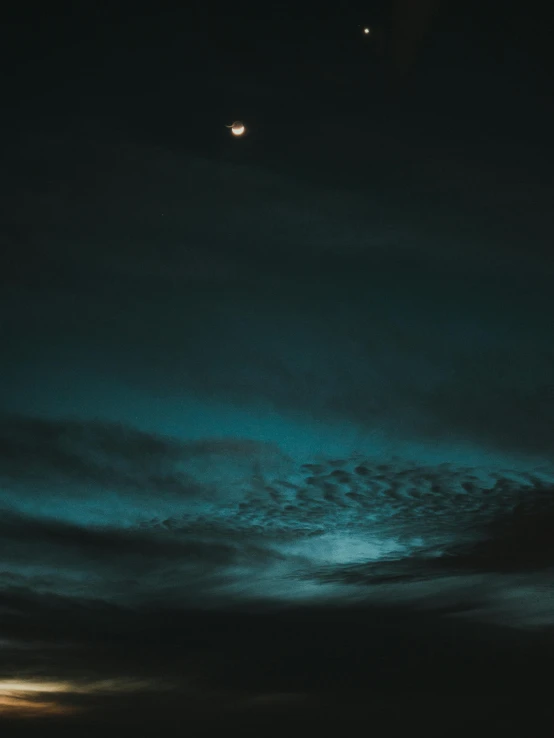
[(12, 685), (31, 698), (22, 698)]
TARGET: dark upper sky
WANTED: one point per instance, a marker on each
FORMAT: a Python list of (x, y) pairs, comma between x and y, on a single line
[(276, 412)]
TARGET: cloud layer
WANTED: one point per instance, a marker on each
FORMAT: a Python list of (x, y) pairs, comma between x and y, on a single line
[(269, 440), (110, 512)]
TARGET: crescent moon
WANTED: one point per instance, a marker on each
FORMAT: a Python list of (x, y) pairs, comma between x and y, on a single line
[(237, 128)]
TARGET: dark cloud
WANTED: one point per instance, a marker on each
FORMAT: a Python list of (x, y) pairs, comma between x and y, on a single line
[(519, 542), (45, 451), (112, 549)]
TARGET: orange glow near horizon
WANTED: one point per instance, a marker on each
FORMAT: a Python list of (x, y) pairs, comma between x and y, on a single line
[(27, 699)]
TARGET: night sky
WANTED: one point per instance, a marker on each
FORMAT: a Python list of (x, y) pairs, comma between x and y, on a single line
[(276, 411)]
